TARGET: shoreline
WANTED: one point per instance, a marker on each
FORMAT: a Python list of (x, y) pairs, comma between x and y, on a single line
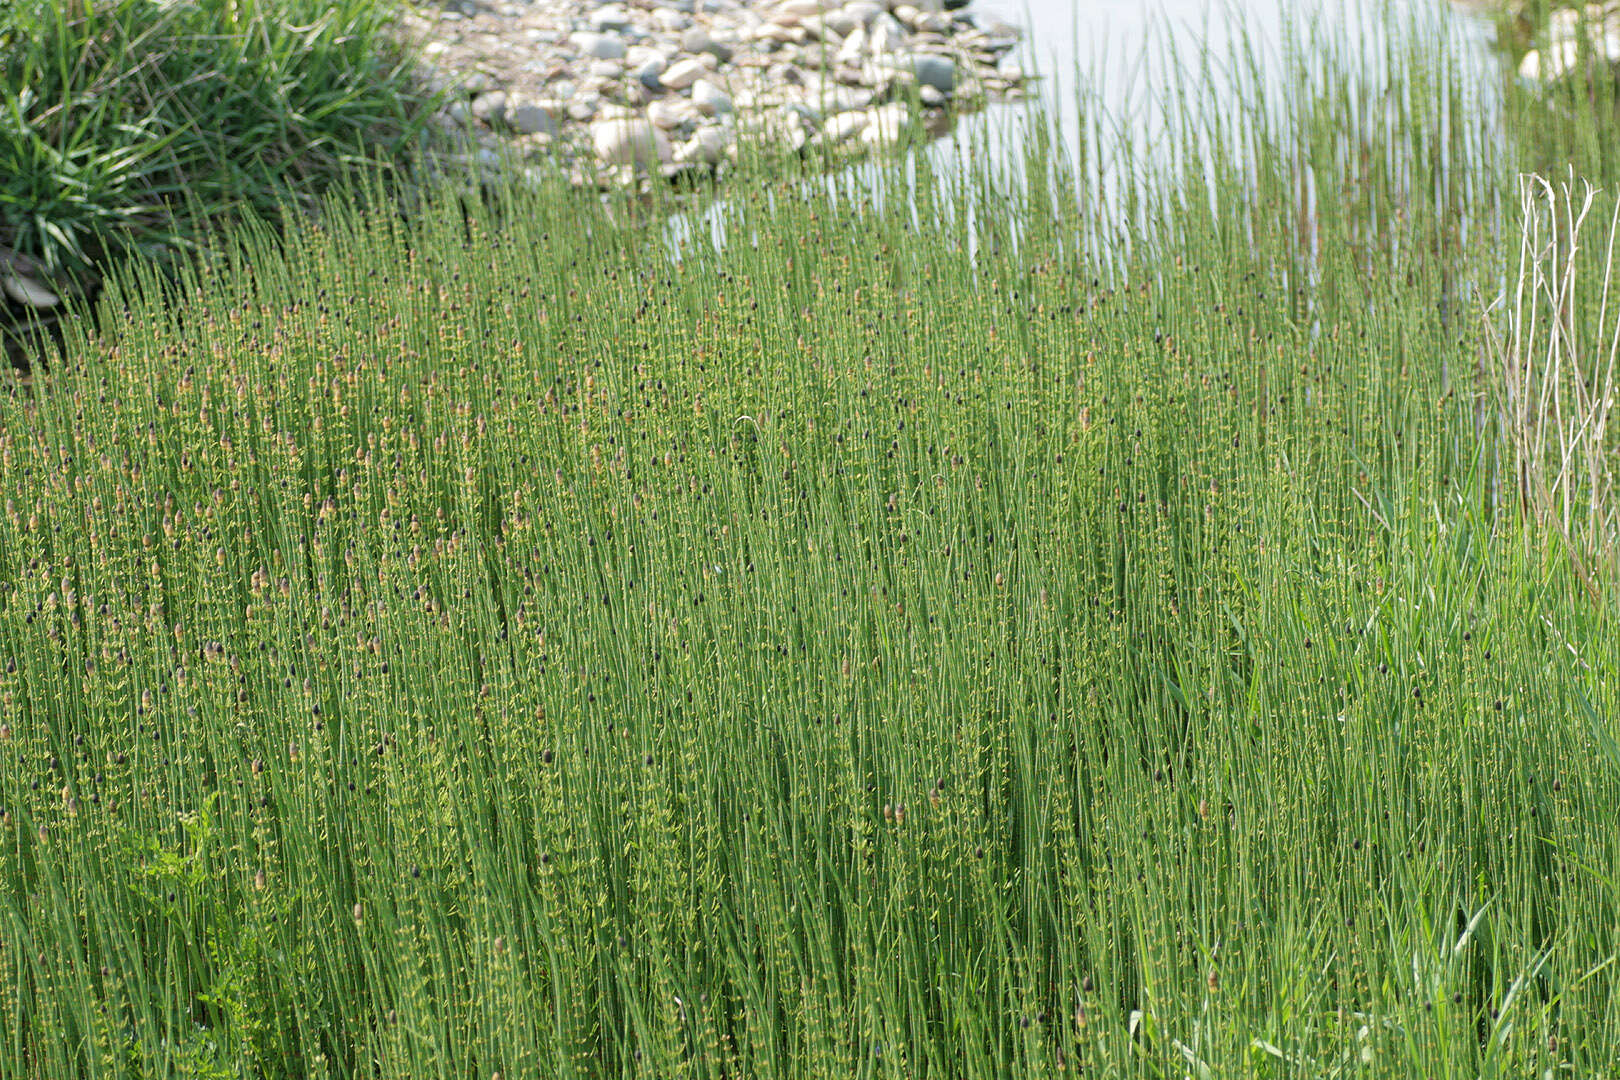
[(622, 91)]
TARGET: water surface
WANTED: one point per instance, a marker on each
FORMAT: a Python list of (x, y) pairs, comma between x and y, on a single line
[(1110, 71)]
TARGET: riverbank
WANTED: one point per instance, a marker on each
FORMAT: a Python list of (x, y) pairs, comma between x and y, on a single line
[(614, 91)]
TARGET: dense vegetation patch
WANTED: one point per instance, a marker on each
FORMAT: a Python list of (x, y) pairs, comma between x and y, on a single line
[(901, 643), (138, 127)]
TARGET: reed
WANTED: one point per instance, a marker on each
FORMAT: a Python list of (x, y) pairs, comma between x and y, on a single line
[(1554, 376)]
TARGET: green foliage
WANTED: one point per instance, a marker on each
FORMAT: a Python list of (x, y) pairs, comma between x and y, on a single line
[(903, 642), (138, 127)]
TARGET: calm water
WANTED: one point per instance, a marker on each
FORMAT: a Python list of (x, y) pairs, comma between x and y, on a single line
[(1108, 66)]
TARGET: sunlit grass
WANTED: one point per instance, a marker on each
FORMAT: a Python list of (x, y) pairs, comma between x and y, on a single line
[(878, 648)]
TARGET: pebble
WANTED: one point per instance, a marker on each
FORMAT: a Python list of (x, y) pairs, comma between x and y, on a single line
[(938, 72), (698, 40), (816, 29), (531, 118), (610, 18), (629, 142), (490, 107), (854, 47), (863, 11), (801, 8), (601, 46), (843, 127), (683, 73), (672, 113), (885, 34), (709, 98), (649, 73), (708, 146), (25, 290), (886, 124)]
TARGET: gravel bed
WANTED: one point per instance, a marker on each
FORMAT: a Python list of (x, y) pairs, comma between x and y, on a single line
[(627, 90)]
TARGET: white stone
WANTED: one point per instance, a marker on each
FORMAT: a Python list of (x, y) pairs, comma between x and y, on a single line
[(629, 142), (670, 113), (840, 22), (25, 290), (707, 145), (818, 30), (863, 11), (839, 99), (801, 8), (776, 32), (683, 73), (885, 125), (843, 127), (885, 35), (709, 98), (853, 50), (600, 46), (490, 107), (697, 39), (808, 114), (610, 17)]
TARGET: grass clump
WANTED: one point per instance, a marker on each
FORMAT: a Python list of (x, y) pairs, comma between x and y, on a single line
[(891, 645), (137, 127)]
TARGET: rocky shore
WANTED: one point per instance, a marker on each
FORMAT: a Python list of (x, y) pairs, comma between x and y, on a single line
[(632, 89)]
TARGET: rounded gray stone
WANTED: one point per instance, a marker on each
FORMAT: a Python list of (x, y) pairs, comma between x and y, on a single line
[(936, 71), (530, 118), (490, 107)]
